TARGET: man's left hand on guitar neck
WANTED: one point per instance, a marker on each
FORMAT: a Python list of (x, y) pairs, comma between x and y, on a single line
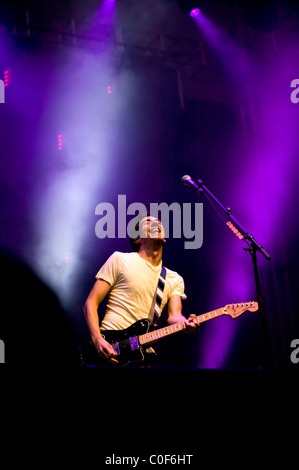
[(175, 315), (192, 324)]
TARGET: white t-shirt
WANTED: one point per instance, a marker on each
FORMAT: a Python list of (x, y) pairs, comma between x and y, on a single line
[(133, 289)]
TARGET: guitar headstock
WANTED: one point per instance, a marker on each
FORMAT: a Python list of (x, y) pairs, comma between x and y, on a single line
[(235, 310)]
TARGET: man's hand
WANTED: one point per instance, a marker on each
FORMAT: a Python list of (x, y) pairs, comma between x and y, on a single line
[(96, 296), (192, 324), (175, 315), (105, 350)]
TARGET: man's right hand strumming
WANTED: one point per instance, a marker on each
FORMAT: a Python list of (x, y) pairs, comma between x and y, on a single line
[(96, 296), (105, 350)]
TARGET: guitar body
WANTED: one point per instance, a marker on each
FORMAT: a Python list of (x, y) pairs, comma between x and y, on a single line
[(124, 342)]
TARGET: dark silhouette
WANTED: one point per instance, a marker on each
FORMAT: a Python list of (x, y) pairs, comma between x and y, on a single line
[(33, 326)]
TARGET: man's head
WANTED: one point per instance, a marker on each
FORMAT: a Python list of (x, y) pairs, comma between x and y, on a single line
[(148, 229)]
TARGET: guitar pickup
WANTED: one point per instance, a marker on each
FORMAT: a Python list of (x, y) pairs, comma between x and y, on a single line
[(134, 343), (116, 347)]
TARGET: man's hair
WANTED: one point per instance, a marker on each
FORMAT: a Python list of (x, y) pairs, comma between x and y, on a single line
[(136, 246)]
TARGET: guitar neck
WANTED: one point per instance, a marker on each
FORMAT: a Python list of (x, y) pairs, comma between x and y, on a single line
[(176, 327)]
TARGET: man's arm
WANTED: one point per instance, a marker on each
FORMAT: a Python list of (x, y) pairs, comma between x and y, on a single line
[(96, 296), (175, 315)]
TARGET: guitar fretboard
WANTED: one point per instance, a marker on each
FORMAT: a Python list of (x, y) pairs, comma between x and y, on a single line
[(176, 327)]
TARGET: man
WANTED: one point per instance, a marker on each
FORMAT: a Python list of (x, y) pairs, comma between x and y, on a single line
[(131, 281)]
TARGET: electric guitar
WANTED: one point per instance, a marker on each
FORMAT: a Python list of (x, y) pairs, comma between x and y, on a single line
[(131, 343)]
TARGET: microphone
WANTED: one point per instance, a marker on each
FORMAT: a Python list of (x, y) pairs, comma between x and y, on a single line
[(189, 182)]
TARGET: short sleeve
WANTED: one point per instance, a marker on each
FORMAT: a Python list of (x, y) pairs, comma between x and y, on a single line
[(110, 270), (178, 287)]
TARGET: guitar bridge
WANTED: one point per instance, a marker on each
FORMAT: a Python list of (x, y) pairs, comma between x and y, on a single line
[(134, 343)]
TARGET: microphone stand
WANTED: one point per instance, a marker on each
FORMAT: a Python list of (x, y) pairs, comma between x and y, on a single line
[(252, 248)]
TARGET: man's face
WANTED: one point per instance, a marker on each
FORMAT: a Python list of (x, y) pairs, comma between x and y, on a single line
[(151, 227)]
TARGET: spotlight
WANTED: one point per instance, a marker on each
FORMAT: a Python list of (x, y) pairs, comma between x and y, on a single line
[(190, 7), (194, 12), (111, 88), (60, 141), (7, 77), (66, 257)]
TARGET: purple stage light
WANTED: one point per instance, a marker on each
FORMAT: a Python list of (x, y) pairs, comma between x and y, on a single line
[(60, 141), (7, 77), (106, 10), (111, 88), (194, 12), (66, 257)]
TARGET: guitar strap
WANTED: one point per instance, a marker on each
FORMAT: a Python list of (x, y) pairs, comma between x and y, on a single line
[(159, 295)]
